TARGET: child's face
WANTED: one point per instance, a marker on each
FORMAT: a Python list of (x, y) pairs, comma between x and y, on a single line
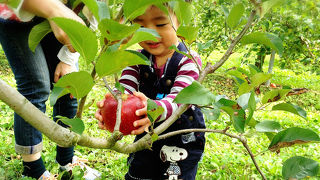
[(156, 19)]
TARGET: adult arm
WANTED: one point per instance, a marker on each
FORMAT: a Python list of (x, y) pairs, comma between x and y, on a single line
[(49, 9)]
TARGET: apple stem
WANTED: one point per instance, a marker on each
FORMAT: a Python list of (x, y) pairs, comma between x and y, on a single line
[(114, 94), (118, 120)]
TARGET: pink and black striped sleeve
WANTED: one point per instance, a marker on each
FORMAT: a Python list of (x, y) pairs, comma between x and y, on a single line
[(187, 73), (130, 79)]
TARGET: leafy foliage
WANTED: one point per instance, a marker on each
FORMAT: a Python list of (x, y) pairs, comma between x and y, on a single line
[(114, 38)]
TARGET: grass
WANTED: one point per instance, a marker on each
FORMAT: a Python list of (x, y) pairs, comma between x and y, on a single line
[(224, 158)]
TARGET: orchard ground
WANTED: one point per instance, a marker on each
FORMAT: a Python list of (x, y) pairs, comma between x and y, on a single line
[(224, 158)]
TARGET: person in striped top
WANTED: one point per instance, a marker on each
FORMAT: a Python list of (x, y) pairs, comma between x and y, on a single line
[(168, 74)]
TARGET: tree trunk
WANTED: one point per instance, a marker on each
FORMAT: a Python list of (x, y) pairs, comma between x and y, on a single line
[(271, 63), (260, 58)]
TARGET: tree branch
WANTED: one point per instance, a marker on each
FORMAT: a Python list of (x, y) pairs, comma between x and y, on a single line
[(240, 138), (245, 144), (211, 69), (83, 100), (118, 120)]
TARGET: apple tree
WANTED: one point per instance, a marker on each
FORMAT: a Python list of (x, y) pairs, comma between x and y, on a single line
[(108, 49)]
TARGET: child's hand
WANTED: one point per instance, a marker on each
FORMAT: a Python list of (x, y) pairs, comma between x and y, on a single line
[(98, 114), (144, 123)]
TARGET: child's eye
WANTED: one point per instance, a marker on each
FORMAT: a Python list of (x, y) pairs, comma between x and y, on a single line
[(161, 25)]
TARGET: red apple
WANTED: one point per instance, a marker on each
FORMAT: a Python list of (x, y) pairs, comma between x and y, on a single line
[(130, 104)]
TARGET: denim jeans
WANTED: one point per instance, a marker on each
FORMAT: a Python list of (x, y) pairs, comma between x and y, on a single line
[(34, 74)]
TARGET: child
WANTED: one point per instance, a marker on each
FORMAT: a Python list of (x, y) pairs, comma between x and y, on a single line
[(169, 73)]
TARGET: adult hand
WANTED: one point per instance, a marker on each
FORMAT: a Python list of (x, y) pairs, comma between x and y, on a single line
[(49, 9), (63, 69), (143, 123), (59, 33)]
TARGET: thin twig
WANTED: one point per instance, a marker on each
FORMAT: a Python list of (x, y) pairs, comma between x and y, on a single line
[(240, 138), (93, 75), (118, 121), (106, 84), (211, 69), (192, 58), (83, 100), (245, 144), (173, 133)]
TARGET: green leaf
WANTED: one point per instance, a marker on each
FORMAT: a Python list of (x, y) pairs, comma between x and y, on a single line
[(251, 106), (238, 76), (114, 31), (269, 135), (82, 38), (155, 113), (112, 62), (55, 94), (188, 33), (244, 88), (142, 34), (211, 114), (235, 15), (183, 10), (253, 69), (153, 110), (133, 9), (154, 137), (38, 32), (99, 9), (298, 167), (204, 46), (239, 120), (291, 136), (195, 94), (243, 71), (267, 39), (259, 78), (236, 113), (12, 3), (225, 11), (181, 52), (120, 87), (267, 5), (151, 105), (268, 126), (79, 84), (275, 95), (76, 124), (290, 108)]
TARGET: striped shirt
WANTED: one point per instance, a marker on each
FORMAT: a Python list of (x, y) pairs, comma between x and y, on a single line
[(187, 72)]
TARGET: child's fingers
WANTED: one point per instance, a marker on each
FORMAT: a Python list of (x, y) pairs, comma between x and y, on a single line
[(98, 115), (142, 97), (141, 129), (141, 112), (138, 131), (108, 95), (101, 125), (142, 122), (100, 104)]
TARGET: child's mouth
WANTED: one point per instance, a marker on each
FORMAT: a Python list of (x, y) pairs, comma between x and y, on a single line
[(153, 45)]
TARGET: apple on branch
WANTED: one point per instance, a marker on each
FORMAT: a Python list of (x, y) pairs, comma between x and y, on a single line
[(130, 103)]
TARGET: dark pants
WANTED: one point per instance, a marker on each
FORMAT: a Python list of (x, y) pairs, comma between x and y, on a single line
[(34, 77), (149, 164)]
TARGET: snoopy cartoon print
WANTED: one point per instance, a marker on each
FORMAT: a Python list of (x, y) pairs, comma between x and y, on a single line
[(173, 154)]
